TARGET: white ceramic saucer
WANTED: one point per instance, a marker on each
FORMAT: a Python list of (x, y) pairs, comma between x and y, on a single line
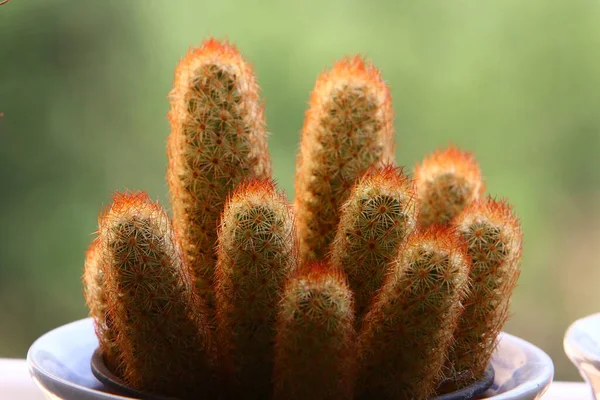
[(59, 363)]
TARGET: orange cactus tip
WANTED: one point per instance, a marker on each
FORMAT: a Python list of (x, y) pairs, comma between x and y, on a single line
[(356, 71), (447, 182)]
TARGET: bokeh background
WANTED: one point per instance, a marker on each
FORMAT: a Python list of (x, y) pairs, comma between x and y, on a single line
[(83, 92)]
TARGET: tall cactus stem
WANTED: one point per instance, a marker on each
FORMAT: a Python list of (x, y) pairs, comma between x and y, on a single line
[(315, 345), (494, 237), (256, 253), (163, 335), (347, 129), (218, 138), (405, 336)]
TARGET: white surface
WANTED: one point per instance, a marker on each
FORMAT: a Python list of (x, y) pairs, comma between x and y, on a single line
[(16, 384)]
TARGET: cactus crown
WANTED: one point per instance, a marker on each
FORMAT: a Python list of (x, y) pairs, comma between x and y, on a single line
[(447, 182), (247, 297)]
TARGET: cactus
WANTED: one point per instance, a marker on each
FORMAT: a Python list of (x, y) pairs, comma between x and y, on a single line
[(315, 349), (369, 298), (447, 182), (217, 139), (377, 217), (163, 338), (406, 334), (95, 295), (348, 128), (256, 252), (494, 239)]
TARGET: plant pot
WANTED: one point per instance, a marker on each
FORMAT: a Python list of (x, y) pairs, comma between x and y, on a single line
[(59, 362), (104, 375)]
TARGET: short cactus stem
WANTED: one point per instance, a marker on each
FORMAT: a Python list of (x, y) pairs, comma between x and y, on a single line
[(256, 253), (315, 344), (494, 237), (94, 291), (348, 128), (447, 182), (218, 138), (405, 336), (378, 216), (163, 337)]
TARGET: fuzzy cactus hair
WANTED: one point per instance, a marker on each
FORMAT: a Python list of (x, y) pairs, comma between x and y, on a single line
[(218, 138), (347, 129), (163, 336)]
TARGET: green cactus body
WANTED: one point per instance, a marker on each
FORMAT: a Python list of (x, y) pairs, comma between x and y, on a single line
[(256, 253), (494, 239), (377, 217), (163, 338), (95, 295), (217, 139), (447, 181), (405, 336), (315, 344), (348, 128)]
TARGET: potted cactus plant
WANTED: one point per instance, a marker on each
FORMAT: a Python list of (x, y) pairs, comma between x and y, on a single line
[(374, 284)]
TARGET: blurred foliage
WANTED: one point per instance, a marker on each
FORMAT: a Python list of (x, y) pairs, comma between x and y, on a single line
[(83, 90)]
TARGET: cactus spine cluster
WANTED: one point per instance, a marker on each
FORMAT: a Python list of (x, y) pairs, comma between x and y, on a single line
[(218, 138), (315, 346), (348, 128), (367, 298), (256, 253), (406, 334), (494, 238), (447, 182), (378, 216), (163, 340)]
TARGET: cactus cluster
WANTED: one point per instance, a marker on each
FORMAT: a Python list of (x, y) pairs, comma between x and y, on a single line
[(373, 285)]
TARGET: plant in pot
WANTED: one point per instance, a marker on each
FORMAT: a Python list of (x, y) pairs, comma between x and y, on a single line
[(374, 284)]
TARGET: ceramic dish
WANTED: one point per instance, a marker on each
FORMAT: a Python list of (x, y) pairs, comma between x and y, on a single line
[(582, 345), (59, 363)]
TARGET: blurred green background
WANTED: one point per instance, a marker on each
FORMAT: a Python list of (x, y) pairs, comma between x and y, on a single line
[(83, 90)]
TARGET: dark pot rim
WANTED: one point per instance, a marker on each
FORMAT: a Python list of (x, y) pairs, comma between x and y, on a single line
[(474, 390), (106, 377)]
